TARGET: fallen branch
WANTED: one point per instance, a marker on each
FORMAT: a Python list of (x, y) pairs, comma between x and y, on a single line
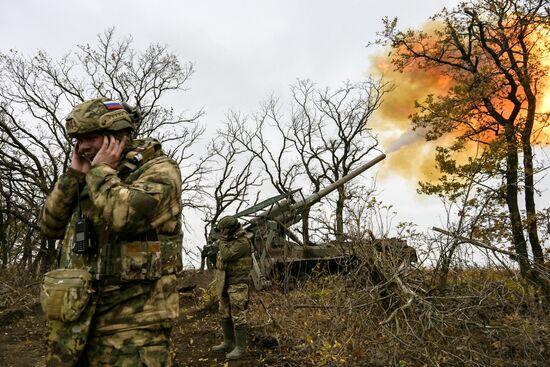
[(271, 318), (474, 242)]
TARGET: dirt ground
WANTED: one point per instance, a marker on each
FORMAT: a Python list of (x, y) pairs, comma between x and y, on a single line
[(23, 333), (483, 321)]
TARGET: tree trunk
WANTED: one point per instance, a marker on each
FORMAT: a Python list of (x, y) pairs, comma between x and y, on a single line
[(43, 259), (519, 242), (340, 213), (531, 221), (51, 258), (444, 265), (447, 256), (532, 226), (3, 243), (26, 262), (539, 275), (305, 226)]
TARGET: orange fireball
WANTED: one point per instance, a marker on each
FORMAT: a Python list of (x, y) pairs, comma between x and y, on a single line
[(411, 155)]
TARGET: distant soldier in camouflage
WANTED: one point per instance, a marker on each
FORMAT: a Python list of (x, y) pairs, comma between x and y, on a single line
[(113, 299), (233, 266)]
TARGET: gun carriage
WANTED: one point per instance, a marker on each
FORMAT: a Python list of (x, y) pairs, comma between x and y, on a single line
[(278, 250)]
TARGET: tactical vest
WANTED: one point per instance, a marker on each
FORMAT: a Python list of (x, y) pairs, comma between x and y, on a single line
[(154, 251)]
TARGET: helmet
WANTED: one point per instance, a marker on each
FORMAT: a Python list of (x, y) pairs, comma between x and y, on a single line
[(100, 114), (228, 223)]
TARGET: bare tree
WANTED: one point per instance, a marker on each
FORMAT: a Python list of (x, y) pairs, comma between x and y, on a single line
[(323, 138), (330, 134), (269, 142), (37, 92), (235, 180)]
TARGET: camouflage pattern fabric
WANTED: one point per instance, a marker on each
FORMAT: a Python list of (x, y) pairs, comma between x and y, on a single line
[(136, 305), (67, 340), (98, 114), (234, 303), (119, 204), (158, 355), (234, 256), (129, 319), (220, 282), (233, 265), (65, 293)]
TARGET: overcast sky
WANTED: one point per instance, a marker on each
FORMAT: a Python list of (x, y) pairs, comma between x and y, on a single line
[(242, 50)]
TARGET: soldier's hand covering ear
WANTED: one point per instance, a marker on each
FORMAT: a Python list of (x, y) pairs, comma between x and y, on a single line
[(110, 151), (78, 162)]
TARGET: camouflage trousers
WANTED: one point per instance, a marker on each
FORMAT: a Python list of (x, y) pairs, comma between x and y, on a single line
[(133, 348), (124, 326), (234, 303)]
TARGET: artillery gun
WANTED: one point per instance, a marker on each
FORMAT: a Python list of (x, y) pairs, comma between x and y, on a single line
[(277, 249)]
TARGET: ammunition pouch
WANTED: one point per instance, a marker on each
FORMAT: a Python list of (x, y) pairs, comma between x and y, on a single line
[(140, 257), (65, 293), (146, 256), (140, 260)]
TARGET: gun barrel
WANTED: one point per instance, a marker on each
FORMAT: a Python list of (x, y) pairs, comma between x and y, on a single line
[(284, 210), (316, 196)]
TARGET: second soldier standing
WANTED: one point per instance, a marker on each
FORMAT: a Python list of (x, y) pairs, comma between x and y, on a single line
[(233, 265)]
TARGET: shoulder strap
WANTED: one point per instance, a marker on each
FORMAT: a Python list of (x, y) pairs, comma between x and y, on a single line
[(148, 149)]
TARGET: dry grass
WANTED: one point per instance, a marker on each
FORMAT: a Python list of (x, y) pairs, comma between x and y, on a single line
[(484, 317), (380, 313), (18, 294)]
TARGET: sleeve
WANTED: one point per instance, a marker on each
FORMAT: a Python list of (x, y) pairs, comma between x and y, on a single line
[(60, 204), (135, 207), (234, 250)]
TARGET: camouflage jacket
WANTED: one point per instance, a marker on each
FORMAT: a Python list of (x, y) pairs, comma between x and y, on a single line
[(135, 213), (235, 258)]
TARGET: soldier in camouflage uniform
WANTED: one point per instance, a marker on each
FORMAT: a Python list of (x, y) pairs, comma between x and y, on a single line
[(114, 298), (233, 265)]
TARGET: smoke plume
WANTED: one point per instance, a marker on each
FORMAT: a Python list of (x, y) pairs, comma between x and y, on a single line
[(409, 154)]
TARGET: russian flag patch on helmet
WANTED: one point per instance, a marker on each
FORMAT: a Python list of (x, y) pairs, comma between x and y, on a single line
[(112, 105)]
